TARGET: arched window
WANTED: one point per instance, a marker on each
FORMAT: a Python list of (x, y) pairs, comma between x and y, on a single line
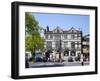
[(73, 53), (66, 53)]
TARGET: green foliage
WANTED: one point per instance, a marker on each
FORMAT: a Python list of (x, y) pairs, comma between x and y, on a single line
[(33, 40), (29, 43), (30, 23)]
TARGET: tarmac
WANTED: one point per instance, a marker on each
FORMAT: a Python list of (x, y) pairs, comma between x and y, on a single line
[(55, 64)]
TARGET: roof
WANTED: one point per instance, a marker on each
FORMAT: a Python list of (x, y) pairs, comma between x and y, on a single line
[(58, 30)]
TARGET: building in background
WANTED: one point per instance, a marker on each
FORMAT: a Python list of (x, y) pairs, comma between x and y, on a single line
[(69, 42), (85, 47)]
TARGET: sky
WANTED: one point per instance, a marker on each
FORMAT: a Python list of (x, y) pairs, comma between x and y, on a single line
[(64, 21)]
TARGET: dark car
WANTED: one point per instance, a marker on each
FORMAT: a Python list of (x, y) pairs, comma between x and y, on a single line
[(77, 58), (70, 59), (38, 57)]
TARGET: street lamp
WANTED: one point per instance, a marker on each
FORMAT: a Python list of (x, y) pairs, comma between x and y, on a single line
[(60, 47), (60, 50)]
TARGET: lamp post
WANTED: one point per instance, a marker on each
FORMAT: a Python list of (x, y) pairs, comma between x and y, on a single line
[(60, 50)]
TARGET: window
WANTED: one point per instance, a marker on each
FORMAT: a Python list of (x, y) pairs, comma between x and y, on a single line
[(51, 36), (65, 44), (57, 36), (73, 45), (73, 53), (66, 52), (75, 35), (46, 36), (69, 36), (65, 36), (79, 35), (78, 44), (72, 36), (58, 44), (49, 45)]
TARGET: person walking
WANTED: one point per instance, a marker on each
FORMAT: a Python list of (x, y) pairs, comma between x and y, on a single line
[(82, 61)]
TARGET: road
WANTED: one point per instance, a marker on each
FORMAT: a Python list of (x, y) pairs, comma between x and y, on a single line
[(51, 64)]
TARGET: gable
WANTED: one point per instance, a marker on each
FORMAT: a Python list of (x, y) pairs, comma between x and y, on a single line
[(73, 30)]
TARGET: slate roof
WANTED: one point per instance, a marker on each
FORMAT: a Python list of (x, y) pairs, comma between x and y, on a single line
[(61, 31)]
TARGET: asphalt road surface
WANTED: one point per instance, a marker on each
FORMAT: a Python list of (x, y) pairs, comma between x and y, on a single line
[(51, 64)]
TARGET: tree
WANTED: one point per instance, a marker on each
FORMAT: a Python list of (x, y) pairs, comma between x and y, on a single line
[(33, 39), (29, 43)]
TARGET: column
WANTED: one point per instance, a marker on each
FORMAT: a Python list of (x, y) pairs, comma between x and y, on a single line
[(76, 53), (62, 44), (69, 53), (53, 44)]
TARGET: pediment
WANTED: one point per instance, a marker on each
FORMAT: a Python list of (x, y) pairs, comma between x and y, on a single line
[(73, 30), (57, 30)]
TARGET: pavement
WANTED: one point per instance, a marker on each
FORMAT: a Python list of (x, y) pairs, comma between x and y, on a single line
[(55, 64)]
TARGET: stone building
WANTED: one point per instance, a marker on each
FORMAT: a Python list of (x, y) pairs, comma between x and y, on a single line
[(85, 47), (69, 42)]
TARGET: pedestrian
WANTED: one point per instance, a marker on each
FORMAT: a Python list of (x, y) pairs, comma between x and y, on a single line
[(26, 64), (51, 57), (47, 55), (60, 59), (54, 56), (26, 61), (82, 61)]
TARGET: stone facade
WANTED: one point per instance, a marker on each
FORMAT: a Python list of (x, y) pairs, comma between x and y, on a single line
[(85, 47), (69, 42)]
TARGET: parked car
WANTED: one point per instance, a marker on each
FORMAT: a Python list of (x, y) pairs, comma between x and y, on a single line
[(70, 59), (38, 57), (77, 58)]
